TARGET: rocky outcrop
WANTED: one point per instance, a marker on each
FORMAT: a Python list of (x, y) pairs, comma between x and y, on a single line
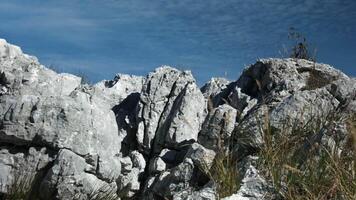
[(153, 137), (172, 109), (218, 127), (43, 109), (290, 91)]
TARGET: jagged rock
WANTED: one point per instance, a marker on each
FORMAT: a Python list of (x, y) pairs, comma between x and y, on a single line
[(71, 176), (253, 187), (216, 91), (344, 90), (157, 165), (169, 156), (217, 128), (186, 180), (138, 160), (126, 165), (129, 185), (297, 110), (8, 50), (169, 182), (173, 157), (289, 91), (275, 75), (128, 182), (155, 137), (43, 108), (208, 192), (71, 122), (115, 91), (121, 95), (203, 158), (304, 106), (241, 102), (214, 87), (172, 110)]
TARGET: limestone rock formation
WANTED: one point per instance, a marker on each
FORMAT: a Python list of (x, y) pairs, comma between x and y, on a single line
[(218, 127), (172, 109), (153, 137), (289, 90), (41, 108)]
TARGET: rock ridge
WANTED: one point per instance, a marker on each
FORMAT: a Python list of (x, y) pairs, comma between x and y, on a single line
[(152, 137)]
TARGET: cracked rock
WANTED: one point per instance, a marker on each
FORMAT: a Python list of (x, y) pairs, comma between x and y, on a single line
[(172, 109), (154, 137), (218, 127)]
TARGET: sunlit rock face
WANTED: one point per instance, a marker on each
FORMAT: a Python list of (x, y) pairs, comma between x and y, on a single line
[(153, 137), (43, 109)]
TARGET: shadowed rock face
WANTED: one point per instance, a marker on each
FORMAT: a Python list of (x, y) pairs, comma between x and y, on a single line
[(150, 137)]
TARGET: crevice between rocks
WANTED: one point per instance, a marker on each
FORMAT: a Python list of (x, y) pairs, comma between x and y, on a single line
[(151, 154), (39, 175), (123, 111)]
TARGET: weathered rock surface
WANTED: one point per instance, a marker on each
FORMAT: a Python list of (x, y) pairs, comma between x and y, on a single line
[(289, 91), (22, 164), (172, 109), (218, 127), (153, 137), (253, 187), (41, 108)]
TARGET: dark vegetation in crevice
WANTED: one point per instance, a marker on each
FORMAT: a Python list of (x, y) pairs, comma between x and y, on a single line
[(223, 172), (26, 182)]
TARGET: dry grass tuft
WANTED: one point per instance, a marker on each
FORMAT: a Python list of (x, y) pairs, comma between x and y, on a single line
[(224, 173), (351, 127), (103, 192), (21, 187), (300, 166)]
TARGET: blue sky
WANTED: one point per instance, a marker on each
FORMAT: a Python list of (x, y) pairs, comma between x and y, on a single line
[(209, 37)]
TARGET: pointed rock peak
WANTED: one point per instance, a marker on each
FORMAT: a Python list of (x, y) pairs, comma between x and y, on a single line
[(214, 86)]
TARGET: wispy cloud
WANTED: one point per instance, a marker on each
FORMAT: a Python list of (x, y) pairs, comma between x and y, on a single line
[(208, 36)]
